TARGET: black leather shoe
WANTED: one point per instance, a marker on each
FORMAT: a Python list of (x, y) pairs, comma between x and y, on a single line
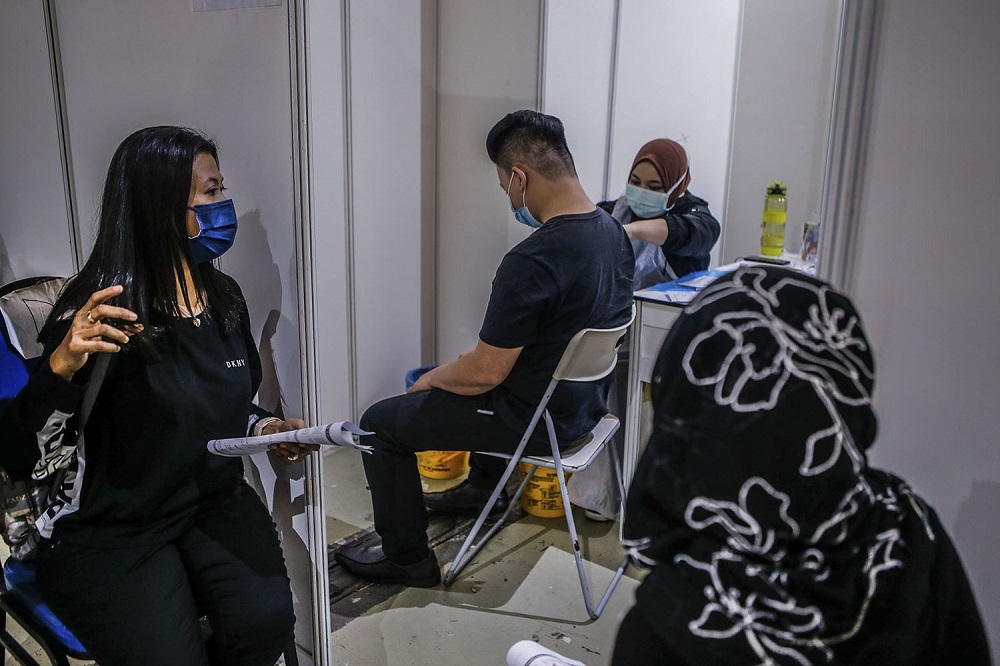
[(465, 499), (370, 563)]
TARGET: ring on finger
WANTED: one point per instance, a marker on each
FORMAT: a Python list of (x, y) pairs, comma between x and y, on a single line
[(90, 318), (293, 457)]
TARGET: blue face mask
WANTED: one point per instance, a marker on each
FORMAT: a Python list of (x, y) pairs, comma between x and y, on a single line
[(217, 230), (647, 204), (522, 214)]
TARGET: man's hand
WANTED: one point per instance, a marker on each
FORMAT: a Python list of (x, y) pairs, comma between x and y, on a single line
[(475, 372), (423, 382), (290, 452)]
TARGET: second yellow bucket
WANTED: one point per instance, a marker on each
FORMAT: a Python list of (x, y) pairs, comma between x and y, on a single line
[(541, 496)]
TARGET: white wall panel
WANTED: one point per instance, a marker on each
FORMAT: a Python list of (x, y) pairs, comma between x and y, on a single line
[(34, 223), (148, 62), (487, 67), (385, 70), (579, 40), (927, 273), (781, 117), (326, 171), (676, 65)]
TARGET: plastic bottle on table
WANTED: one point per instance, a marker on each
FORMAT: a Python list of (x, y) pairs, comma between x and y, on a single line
[(772, 228)]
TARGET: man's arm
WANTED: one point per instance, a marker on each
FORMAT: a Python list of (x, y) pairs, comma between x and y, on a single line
[(473, 373)]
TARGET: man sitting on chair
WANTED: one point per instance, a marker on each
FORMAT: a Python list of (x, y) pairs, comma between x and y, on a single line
[(573, 272)]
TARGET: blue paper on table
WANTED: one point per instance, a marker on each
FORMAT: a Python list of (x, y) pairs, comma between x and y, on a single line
[(691, 282)]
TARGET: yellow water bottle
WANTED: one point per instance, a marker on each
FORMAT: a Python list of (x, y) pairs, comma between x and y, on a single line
[(772, 229)]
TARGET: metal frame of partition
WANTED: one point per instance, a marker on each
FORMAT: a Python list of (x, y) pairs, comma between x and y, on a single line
[(850, 111), (303, 225)]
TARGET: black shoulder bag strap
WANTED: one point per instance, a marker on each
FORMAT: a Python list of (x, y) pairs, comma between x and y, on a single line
[(89, 397)]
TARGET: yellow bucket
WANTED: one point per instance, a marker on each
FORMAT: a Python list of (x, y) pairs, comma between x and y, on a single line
[(442, 464), (541, 496)]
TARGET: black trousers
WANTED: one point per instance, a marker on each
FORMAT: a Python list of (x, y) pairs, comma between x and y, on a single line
[(140, 605), (428, 421)]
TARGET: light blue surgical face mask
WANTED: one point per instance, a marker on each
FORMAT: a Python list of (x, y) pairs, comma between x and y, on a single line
[(647, 204), (217, 230), (522, 214)]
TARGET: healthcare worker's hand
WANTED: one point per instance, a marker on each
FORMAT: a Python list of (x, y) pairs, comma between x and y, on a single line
[(290, 452)]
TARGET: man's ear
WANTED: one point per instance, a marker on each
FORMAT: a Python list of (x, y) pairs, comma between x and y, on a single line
[(522, 175)]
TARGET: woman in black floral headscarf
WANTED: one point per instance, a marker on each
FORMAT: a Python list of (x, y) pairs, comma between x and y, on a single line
[(770, 538)]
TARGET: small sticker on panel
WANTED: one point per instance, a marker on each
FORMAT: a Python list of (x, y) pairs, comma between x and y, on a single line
[(215, 5)]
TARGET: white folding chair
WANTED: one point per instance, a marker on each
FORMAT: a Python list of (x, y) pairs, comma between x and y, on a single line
[(590, 355)]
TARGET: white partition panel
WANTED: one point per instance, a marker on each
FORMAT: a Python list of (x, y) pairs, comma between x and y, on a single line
[(328, 247), (386, 177), (579, 50), (147, 62), (487, 66), (781, 117), (676, 67), (927, 273), (34, 221)]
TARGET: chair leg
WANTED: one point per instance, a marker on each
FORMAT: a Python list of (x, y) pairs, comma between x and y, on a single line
[(462, 559), (594, 612), (470, 550)]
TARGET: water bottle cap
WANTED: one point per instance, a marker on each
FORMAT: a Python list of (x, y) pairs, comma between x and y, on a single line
[(777, 187)]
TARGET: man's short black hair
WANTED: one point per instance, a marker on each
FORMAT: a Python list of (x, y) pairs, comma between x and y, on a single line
[(534, 139)]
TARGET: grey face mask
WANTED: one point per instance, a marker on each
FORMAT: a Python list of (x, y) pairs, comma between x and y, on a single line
[(647, 204)]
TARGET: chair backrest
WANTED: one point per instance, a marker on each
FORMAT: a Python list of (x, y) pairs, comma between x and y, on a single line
[(592, 353), (24, 306)]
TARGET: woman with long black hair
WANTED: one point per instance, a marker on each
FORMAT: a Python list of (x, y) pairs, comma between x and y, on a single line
[(148, 530)]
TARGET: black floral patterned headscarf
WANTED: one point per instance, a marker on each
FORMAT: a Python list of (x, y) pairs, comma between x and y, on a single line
[(770, 538)]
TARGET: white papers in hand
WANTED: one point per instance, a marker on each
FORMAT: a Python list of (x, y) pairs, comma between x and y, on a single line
[(340, 433)]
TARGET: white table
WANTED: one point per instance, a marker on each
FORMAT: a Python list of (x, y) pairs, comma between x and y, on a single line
[(653, 319)]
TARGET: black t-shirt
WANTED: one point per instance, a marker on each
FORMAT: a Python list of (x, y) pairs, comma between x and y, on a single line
[(144, 470), (148, 468), (574, 272)]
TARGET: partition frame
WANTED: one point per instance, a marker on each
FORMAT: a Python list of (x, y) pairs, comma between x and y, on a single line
[(847, 145)]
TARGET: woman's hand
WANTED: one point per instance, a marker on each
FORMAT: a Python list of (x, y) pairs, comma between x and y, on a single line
[(290, 452), (89, 334)]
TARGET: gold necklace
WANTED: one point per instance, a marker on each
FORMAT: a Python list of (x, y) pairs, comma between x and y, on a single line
[(185, 313)]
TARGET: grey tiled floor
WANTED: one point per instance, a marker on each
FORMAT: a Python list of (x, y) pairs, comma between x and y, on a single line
[(523, 585)]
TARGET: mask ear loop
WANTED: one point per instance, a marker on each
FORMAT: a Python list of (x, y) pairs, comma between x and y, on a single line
[(200, 230), (675, 186), (524, 194)]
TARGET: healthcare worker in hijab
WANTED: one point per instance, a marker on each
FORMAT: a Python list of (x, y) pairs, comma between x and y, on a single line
[(771, 539), (672, 230), (672, 233)]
